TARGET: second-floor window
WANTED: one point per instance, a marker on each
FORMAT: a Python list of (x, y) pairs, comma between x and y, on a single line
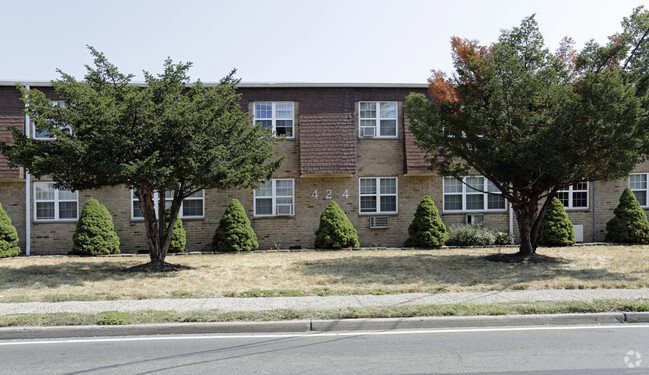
[(54, 204), (377, 119), (575, 196), (460, 197), (277, 116), (191, 208), (45, 135)]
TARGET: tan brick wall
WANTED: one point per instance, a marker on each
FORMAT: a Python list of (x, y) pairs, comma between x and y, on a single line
[(12, 197)]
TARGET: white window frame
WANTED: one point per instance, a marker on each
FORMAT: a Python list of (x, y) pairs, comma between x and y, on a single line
[(56, 201), (156, 198), (377, 120), (274, 196), (274, 117), (571, 191), (467, 191), (644, 191), (378, 196), (50, 137)]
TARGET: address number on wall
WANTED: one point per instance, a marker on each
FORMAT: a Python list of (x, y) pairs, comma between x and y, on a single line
[(328, 194)]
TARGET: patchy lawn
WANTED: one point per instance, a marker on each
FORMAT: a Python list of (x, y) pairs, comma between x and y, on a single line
[(366, 271)]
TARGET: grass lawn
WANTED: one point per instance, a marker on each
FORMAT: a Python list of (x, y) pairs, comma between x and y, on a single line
[(367, 271)]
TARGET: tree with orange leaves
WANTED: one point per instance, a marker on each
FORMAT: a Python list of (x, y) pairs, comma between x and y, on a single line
[(533, 122)]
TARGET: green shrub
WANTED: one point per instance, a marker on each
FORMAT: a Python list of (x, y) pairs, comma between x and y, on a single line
[(95, 233), (234, 232), (8, 236), (629, 225), (556, 228), (503, 238), (427, 228), (335, 230), (178, 236), (477, 235)]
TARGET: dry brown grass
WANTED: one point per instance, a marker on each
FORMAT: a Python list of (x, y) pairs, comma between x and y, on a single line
[(321, 273)]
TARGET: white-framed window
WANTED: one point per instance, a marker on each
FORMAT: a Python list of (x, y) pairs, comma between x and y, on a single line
[(193, 207), (51, 204), (278, 116), (378, 119), (45, 135), (575, 196), (638, 185), (378, 195), (459, 197), (275, 197)]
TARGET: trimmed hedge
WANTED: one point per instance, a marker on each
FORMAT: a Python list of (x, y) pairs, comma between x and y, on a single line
[(95, 233), (234, 232), (629, 225), (335, 230), (8, 236), (556, 228), (427, 228), (477, 235), (178, 236)]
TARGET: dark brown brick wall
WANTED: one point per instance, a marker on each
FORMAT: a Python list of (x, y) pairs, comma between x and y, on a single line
[(11, 114)]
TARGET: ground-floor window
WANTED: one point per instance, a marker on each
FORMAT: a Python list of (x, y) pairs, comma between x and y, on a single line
[(378, 195), (575, 196), (54, 204), (459, 197), (274, 198), (193, 207)]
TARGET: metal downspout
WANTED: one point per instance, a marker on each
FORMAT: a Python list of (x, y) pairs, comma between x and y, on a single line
[(594, 212), (28, 211)]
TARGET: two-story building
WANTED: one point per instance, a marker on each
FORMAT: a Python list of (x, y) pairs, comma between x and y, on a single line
[(344, 142)]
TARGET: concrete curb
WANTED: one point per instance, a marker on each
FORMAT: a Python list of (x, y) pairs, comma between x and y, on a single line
[(306, 326)]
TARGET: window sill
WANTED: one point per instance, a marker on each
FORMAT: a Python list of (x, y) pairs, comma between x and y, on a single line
[(141, 219), (274, 217), (45, 221), (378, 214), (475, 212)]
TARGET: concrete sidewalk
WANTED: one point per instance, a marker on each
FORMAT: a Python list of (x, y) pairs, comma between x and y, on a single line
[(320, 303)]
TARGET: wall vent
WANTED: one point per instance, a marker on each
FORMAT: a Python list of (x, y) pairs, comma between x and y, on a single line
[(378, 222), (474, 219)]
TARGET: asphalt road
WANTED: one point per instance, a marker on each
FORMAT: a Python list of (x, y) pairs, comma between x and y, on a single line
[(522, 350)]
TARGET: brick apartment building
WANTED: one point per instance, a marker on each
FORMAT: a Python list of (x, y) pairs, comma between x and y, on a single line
[(344, 142)]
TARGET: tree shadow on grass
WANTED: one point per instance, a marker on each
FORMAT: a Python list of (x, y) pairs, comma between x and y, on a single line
[(71, 274), (441, 271)]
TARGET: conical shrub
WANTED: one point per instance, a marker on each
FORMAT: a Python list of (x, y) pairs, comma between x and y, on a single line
[(95, 233), (556, 228), (427, 228), (8, 236), (234, 232), (178, 236), (335, 230), (629, 225)]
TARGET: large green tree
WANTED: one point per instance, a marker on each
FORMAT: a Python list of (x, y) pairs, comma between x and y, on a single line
[(533, 122), (165, 135)]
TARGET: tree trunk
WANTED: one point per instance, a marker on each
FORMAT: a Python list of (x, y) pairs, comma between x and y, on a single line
[(158, 232), (529, 219)]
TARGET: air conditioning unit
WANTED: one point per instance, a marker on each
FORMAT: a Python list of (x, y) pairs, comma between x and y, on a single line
[(378, 222), (474, 219), (368, 131), (284, 209)]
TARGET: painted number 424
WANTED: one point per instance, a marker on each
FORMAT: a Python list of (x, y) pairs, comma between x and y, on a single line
[(329, 194)]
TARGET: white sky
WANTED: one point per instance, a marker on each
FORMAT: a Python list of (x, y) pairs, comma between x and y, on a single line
[(377, 41)]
